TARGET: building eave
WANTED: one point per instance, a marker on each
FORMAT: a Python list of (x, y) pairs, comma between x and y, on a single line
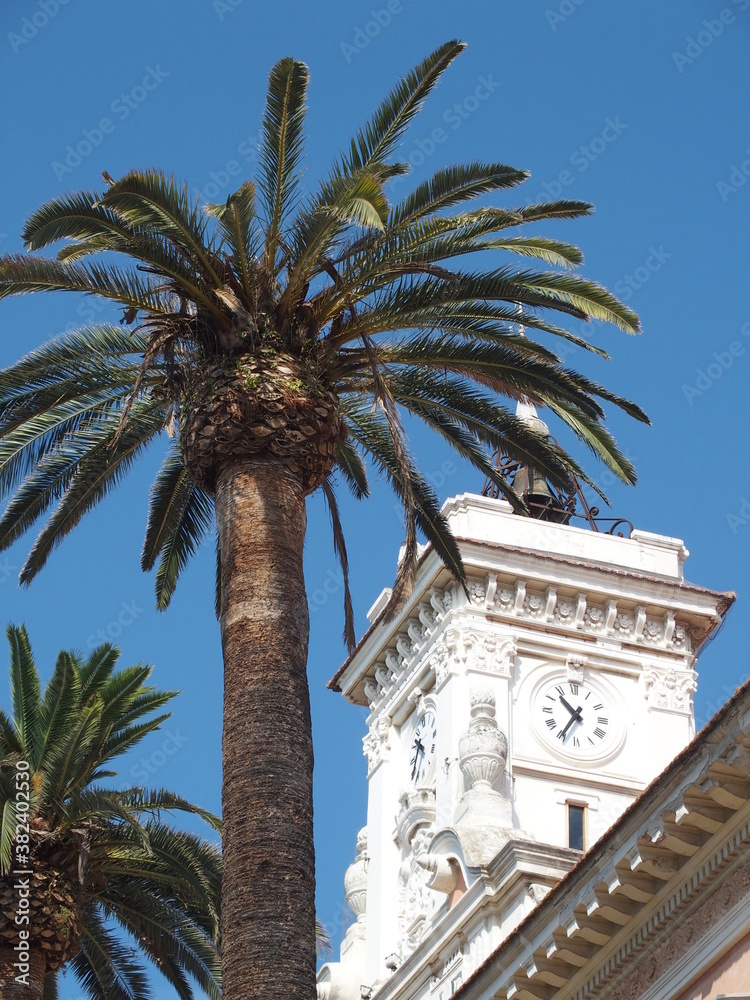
[(696, 811)]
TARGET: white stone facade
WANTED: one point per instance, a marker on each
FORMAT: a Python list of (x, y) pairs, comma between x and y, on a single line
[(562, 677)]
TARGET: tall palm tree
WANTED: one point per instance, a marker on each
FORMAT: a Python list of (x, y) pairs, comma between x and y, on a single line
[(277, 338), (80, 860)]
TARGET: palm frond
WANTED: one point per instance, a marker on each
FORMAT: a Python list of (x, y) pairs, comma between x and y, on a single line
[(281, 146), (374, 143), (451, 186), (24, 687), (180, 514), (339, 547)]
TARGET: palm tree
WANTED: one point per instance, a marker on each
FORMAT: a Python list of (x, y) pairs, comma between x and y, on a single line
[(79, 859), (277, 338)]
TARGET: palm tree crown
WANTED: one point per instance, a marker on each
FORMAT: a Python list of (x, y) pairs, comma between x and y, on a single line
[(278, 338), (293, 326), (101, 858)]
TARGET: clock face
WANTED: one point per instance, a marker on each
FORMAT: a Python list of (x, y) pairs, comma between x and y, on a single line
[(422, 749), (574, 717)]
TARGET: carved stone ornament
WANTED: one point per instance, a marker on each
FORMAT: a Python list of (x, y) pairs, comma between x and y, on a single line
[(440, 661), (416, 903), (355, 879), (669, 689), (417, 810), (575, 666), (409, 646), (581, 612), (377, 743), (487, 652), (533, 605), (483, 749)]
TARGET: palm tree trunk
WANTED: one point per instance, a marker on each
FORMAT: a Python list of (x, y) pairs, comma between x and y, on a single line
[(268, 892), (31, 984)]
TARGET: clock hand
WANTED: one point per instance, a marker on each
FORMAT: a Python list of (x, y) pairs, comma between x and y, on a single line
[(575, 712), (418, 749), (575, 717)]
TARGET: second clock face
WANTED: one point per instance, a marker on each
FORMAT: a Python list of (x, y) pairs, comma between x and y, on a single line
[(422, 749), (574, 717)]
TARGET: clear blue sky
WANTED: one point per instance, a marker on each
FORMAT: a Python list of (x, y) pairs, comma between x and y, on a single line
[(640, 108)]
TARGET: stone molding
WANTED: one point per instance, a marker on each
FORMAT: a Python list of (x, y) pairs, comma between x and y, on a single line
[(432, 635), (580, 612)]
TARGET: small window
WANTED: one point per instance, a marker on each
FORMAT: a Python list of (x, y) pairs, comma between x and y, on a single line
[(576, 826)]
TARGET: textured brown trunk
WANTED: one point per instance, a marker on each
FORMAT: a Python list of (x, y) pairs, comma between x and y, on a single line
[(268, 893), (31, 986)]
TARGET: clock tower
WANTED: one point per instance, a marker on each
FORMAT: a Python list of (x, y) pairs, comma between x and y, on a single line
[(510, 724)]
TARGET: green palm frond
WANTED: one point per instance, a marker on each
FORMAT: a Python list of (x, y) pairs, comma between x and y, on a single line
[(453, 185), (240, 230), (180, 515), (62, 697), (281, 146), (339, 547), (106, 968), (8, 820), (87, 480), (374, 143), (152, 200), (50, 987), (24, 688), (349, 463), (23, 273)]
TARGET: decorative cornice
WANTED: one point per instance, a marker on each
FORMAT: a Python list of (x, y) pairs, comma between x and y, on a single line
[(592, 614), (451, 631)]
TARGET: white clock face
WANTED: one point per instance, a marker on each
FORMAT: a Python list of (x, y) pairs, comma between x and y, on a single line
[(422, 748), (574, 717)]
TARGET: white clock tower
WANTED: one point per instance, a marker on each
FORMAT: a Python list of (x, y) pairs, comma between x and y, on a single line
[(509, 726)]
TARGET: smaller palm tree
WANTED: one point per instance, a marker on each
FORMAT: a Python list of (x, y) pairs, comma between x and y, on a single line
[(97, 861)]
